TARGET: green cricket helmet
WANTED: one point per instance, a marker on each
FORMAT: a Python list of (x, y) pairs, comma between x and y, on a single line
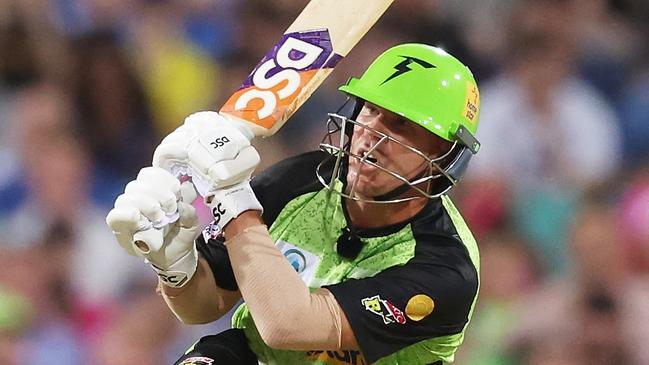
[(427, 86)]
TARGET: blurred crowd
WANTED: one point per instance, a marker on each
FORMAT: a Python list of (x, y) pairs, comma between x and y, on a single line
[(558, 196)]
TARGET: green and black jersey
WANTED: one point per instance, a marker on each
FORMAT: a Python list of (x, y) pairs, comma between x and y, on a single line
[(409, 293)]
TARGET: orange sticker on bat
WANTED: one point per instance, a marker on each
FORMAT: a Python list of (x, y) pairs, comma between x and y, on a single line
[(267, 95)]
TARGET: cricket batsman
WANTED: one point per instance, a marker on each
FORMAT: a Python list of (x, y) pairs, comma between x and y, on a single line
[(351, 254)]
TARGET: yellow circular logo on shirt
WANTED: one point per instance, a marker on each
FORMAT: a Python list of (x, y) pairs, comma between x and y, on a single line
[(419, 307)]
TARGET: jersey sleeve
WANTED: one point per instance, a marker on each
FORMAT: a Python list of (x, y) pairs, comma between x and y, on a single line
[(430, 296), (212, 249)]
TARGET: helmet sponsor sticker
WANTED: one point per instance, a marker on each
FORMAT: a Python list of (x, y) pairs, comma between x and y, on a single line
[(472, 103), (383, 308)]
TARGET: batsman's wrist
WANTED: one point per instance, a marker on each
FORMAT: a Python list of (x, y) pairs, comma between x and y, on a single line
[(247, 219)]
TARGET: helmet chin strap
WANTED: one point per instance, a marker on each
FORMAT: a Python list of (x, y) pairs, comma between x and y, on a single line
[(394, 193), (399, 190)]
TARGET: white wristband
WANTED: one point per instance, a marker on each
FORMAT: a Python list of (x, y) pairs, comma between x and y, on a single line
[(227, 204)]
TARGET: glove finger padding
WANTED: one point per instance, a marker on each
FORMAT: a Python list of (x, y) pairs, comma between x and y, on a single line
[(154, 219), (148, 207), (163, 198), (149, 203), (179, 212), (124, 222), (227, 173), (155, 243), (176, 260), (154, 193), (170, 154), (155, 176), (187, 193), (216, 152)]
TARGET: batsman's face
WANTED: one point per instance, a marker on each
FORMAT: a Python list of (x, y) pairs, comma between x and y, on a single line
[(372, 181)]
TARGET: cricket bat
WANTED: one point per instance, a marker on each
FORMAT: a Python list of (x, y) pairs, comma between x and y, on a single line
[(321, 36), (300, 61)]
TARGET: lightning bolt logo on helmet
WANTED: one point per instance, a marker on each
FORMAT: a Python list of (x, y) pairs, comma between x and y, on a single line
[(404, 66)]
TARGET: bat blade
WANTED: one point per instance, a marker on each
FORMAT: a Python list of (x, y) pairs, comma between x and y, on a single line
[(307, 52)]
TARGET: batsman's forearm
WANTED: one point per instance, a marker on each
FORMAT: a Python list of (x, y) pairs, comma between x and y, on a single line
[(200, 300), (286, 314)]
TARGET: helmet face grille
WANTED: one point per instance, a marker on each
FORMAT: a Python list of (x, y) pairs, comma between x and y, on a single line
[(433, 182)]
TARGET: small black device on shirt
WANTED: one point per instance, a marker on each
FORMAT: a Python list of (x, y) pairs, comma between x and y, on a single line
[(348, 244)]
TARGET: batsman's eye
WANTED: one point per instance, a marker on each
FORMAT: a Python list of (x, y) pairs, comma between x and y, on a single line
[(400, 122), (369, 110)]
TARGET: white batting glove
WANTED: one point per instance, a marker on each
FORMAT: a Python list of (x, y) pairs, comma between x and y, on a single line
[(154, 219), (213, 150), (228, 203)]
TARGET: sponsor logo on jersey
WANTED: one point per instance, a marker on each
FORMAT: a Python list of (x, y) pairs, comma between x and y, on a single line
[(337, 357), (272, 88), (296, 258), (386, 310), (200, 360), (419, 307), (304, 262)]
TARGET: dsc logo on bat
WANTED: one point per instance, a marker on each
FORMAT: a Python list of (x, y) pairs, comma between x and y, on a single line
[(273, 86), (266, 77)]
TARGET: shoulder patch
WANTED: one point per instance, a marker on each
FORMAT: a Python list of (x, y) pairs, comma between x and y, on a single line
[(383, 308)]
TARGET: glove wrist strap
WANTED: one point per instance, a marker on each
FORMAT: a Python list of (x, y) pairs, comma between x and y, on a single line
[(180, 272), (227, 204)]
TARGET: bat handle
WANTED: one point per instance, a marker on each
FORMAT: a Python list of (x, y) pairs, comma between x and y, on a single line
[(148, 241), (152, 239)]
